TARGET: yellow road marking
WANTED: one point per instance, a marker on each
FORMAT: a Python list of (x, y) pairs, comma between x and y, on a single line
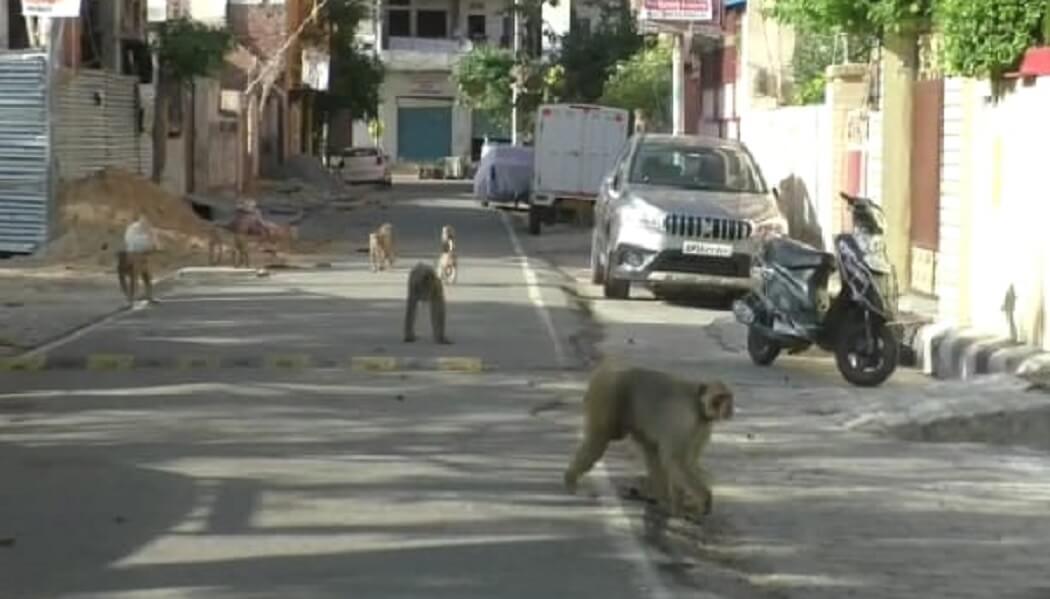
[(288, 361), (110, 362), (197, 362), (32, 363), (459, 364), (373, 363)]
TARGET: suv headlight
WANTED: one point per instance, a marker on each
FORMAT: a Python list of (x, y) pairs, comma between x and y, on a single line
[(643, 216), (769, 228)]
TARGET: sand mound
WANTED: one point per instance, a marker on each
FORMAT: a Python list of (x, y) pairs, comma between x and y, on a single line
[(93, 213)]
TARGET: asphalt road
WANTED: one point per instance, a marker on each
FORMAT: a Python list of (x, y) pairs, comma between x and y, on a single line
[(273, 437)]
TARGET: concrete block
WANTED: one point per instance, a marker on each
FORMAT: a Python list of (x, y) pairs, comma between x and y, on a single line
[(947, 360), (975, 357), (1009, 360)]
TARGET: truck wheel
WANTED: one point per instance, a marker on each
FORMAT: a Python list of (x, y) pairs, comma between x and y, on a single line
[(534, 220), (550, 215)]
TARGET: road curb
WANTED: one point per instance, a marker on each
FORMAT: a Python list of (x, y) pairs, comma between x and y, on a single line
[(110, 362), (947, 352)]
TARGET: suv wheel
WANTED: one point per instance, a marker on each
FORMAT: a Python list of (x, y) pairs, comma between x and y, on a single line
[(615, 288), (597, 270)]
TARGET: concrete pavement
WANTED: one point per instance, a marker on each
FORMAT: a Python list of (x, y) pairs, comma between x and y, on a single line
[(806, 505), (287, 480)]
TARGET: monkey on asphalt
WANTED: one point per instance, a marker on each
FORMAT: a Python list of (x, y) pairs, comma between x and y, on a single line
[(447, 262), (223, 239), (424, 285), (381, 247), (669, 418)]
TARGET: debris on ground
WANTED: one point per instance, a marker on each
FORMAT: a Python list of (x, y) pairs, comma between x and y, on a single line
[(309, 171), (93, 212)]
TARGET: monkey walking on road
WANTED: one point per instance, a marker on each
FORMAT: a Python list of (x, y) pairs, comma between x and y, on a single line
[(140, 240), (381, 247), (424, 285), (223, 239), (670, 419), (447, 263)]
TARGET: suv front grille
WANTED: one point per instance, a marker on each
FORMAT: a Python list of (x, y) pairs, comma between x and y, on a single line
[(737, 265), (706, 227)]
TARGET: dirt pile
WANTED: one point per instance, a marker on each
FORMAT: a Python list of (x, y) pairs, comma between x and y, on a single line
[(93, 213), (309, 170)]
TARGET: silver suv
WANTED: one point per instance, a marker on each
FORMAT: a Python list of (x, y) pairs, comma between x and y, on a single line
[(681, 211)]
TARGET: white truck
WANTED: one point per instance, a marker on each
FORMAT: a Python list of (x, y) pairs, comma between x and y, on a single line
[(575, 146)]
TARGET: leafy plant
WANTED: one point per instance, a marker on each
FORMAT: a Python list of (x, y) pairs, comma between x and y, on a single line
[(588, 57), (982, 38), (185, 49), (643, 82), (483, 79), (866, 18), (814, 52)]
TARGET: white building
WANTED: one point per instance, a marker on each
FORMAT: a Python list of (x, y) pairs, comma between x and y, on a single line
[(419, 43)]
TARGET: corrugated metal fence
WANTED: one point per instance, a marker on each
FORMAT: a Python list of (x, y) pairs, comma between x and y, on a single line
[(24, 152), (99, 125)]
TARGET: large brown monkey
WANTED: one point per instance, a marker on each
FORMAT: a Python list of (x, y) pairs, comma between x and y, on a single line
[(424, 285), (670, 419), (222, 239)]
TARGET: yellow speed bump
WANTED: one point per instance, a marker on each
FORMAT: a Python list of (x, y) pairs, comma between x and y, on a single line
[(373, 363), (110, 362), (30, 363), (459, 364), (288, 361)]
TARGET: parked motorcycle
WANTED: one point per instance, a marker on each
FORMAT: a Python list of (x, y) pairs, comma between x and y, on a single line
[(792, 309)]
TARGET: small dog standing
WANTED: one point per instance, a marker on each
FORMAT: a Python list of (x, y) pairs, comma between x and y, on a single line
[(381, 247), (447, 263)]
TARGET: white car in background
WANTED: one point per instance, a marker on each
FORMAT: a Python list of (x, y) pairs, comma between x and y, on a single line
[(363, 165)]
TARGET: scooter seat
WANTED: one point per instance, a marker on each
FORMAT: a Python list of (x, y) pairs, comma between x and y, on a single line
[(795, 254)]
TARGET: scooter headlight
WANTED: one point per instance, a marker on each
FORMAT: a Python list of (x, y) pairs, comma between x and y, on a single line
[(771, 228)]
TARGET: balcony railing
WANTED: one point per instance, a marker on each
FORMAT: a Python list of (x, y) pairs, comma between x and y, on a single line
[(416, 53), (425, 45)]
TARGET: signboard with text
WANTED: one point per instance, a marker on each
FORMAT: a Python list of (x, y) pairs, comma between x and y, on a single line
[(699, 11), (51, 8), (156, 11)]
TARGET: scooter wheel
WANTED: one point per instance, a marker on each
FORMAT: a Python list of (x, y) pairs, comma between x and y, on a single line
[(762, 349), (866, 366)]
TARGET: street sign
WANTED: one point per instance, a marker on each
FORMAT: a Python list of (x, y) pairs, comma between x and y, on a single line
[(677, 10), (156, 11), (51, 8)]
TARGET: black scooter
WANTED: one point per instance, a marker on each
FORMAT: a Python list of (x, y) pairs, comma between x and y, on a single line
[(791, 307)]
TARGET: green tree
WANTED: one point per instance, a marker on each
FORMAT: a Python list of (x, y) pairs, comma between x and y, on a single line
[(588, 58), (185, 49), (985, 39), (355, 74), (483, 79), (865, 18), (814, 52), (643, 82)]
